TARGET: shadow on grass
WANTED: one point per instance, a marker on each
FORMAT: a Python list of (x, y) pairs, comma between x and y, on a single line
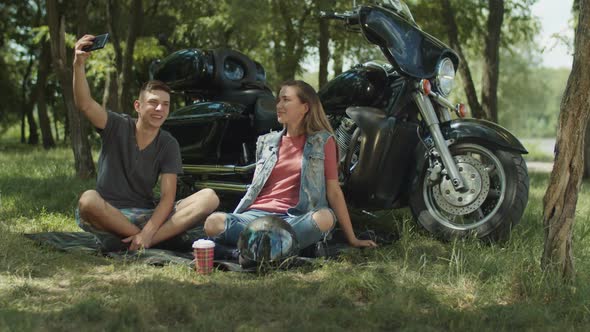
[(278, 302), (201, 304)]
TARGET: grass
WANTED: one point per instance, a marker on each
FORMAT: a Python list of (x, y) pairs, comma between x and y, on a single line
[(416, 284)]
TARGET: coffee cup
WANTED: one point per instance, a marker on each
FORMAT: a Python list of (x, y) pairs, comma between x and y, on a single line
[(203, 252)]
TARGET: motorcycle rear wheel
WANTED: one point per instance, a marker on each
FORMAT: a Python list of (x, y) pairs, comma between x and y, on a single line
[(498, 186)]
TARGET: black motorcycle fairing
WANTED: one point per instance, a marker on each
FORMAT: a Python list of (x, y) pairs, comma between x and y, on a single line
[(461, 129), (363, 85), (260, 72), (246, 97), (209, 71), (189, 69), (232, 69), (204, 112), (413, 51), (200, 130), (384, 139), (265, 115), (401, 104)]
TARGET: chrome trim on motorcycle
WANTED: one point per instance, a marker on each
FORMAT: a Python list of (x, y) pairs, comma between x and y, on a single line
[(441, 100), (218, 169), (431, 120), (225, 187), (350, 152), (444, 112)]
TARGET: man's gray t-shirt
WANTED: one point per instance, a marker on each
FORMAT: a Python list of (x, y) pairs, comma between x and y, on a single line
[(127, 176)]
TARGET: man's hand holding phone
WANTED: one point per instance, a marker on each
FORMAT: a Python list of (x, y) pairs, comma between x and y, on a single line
[(97, 43), (87, 44)]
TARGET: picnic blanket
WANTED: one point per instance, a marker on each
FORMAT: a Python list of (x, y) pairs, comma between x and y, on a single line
[(178, 250), (175, 251)]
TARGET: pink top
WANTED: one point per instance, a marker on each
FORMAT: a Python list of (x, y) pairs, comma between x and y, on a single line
[(281, 190)]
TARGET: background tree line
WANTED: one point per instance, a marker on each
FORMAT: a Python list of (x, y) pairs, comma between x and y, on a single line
[(494, 38)]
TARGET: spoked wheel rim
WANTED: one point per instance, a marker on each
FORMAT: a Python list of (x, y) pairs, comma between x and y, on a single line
[(485, 177)]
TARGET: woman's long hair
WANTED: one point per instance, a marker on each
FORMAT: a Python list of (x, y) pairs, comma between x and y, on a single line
[(315, 119)]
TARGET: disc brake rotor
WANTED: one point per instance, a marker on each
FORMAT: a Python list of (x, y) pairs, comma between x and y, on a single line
[(476, 180)]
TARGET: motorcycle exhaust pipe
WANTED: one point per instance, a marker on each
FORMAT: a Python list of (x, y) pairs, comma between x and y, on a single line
[(223, 187), (218, 169)]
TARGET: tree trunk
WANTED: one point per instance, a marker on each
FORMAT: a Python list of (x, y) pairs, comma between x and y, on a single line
[(28, 105), (33, 132), (289, 42), (25, 108), (464, 71), (587, 153), (23, 137), (324, 48), (82, 23), (576, 12), (339, 49), (562, 194), (82, 29), (55, 122), (135, 26), (79, 137), (56, 117), (109, 96), (44, 123), (113, 15), (112, 92), (491, 68), (66, 125)]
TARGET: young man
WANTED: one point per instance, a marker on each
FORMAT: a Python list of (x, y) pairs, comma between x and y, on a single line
[(121, 211)]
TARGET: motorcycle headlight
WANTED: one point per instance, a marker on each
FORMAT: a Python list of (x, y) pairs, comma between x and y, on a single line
[(445, 76)]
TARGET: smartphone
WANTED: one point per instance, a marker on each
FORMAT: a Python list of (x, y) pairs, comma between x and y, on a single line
[(98, 43)]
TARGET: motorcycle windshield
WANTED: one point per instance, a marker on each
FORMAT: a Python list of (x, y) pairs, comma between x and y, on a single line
[(413, 51)]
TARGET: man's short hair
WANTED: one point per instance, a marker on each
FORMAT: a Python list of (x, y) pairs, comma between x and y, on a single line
[(154, 85)]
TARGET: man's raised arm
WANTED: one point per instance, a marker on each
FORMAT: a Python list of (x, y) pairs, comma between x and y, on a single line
[(95, 113)]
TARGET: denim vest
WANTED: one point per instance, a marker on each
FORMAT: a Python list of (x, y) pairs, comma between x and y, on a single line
[(312, 191)]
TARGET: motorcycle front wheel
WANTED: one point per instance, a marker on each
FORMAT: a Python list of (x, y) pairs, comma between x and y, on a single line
[(496, 194)]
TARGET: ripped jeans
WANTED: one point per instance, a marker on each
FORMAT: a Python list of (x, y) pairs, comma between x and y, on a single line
[(306, 229)]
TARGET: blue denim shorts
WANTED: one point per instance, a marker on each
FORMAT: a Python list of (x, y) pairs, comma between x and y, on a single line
[(305, 227)]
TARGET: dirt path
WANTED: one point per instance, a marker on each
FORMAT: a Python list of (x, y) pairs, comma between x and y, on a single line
[(539, 166), (545, 145)]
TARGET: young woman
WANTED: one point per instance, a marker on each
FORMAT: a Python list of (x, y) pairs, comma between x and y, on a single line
[(296, 176)]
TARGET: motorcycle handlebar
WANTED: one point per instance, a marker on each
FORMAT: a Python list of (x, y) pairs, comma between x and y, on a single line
[(348, 17)]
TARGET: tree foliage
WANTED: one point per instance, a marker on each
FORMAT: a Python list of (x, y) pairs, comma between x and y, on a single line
[(472, 28), (282, 35)]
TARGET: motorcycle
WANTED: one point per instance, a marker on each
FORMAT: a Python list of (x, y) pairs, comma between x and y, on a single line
[(398, 143)]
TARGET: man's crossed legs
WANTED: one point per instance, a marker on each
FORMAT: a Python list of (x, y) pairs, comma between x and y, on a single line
[(111, 225)]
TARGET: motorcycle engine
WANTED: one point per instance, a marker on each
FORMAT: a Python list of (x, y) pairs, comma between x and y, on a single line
[(343, 136)]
